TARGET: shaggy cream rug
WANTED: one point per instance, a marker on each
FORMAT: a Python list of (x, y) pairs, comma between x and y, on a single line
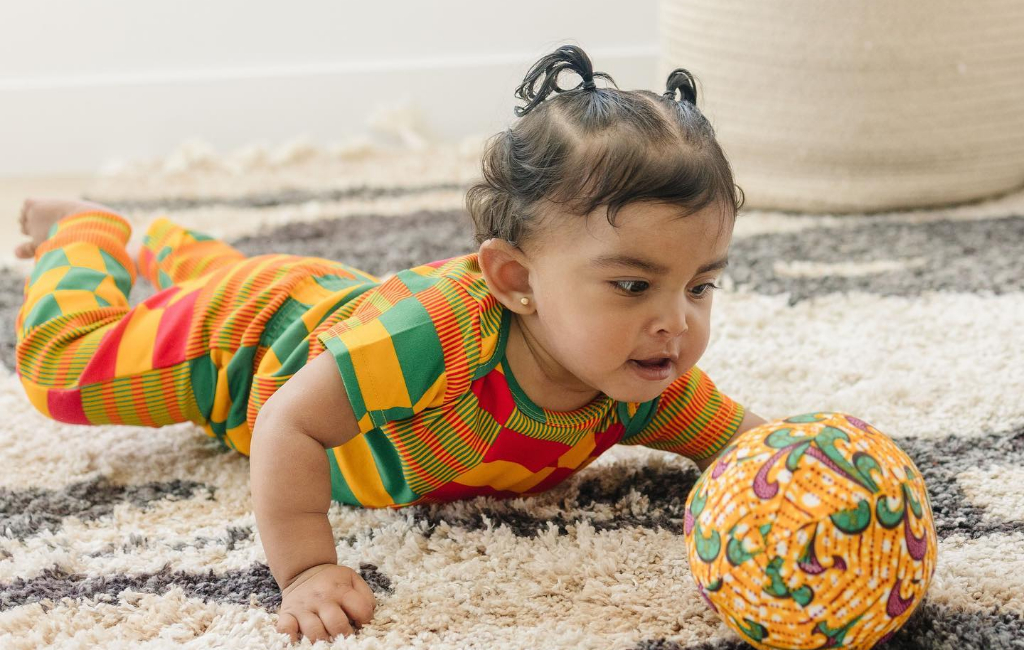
[(145, 538)]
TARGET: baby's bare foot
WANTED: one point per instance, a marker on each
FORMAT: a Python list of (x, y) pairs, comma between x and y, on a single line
[(39, 214)]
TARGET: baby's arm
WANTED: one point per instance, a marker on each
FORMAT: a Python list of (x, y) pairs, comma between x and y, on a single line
[(750, 420), (291, 491)]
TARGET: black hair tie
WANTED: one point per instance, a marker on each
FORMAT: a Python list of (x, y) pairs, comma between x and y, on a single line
[(589, 84)]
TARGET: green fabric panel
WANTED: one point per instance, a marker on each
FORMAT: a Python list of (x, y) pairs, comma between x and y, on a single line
[(417, 345), (336, 282), (49, 260), (389, 466), (643, 414), (287, 319), (165, 280), (348, 377), (122, 278), (414, 281), (79, 277), (204, 383), (219, 429), (43, 311), (239, 373), (296, 359), (291, 341)]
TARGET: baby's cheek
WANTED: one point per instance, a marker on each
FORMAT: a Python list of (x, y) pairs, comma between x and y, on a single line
[(603, 342), (696, 339)]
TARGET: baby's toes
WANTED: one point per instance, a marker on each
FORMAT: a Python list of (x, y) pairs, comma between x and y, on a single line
[(25, 251), (24, 216)]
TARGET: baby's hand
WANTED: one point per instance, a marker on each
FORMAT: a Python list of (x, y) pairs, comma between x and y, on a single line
[(323, 601)]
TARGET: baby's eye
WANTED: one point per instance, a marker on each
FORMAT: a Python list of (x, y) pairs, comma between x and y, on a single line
[(705, 289), (619, 284)]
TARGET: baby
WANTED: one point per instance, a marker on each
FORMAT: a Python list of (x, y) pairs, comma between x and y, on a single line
[(604, 218)]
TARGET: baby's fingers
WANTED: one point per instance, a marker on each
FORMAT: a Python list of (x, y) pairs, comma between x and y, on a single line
[(358, 608), (335, 620), (312, 627), (288, 624), (360, 585)]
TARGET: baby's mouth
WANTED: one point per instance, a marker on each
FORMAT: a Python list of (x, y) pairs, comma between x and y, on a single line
[(653, 363)]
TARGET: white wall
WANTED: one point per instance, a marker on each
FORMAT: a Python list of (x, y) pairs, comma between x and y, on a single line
[(90, 82)]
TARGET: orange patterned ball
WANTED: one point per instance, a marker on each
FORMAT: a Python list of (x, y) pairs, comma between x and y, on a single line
[(812, 532)]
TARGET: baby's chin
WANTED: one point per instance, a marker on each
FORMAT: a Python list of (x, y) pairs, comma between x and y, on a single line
[(625, 385), (637, 390)]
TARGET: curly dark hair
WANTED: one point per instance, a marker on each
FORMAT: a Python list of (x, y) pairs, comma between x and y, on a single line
[(589, 146)]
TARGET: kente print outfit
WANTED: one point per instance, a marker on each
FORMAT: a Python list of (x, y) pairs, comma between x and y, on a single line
[(421, 355)]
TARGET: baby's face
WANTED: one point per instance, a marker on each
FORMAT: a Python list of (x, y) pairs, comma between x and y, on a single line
[(592, 319)]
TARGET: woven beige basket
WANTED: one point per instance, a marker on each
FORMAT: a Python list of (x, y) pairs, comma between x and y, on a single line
[(857, 105)]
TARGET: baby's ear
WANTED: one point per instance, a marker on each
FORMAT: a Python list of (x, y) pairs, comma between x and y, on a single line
[(503, 268)]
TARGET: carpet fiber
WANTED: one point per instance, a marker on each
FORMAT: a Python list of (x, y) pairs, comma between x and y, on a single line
[(141, 537)]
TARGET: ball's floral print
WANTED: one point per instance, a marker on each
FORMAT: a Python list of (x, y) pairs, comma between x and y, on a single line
[(811, 532)]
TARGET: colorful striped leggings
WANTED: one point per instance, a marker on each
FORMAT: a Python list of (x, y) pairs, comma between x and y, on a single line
[(222, 333)]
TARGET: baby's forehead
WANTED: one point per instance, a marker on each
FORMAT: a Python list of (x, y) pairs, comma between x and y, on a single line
[(657, 227), (671, 234)]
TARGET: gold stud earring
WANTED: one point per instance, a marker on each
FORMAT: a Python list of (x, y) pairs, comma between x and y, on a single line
[(524, 300)]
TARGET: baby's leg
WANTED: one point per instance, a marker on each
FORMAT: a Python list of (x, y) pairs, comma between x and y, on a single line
[(171, 254), (83, 355)]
